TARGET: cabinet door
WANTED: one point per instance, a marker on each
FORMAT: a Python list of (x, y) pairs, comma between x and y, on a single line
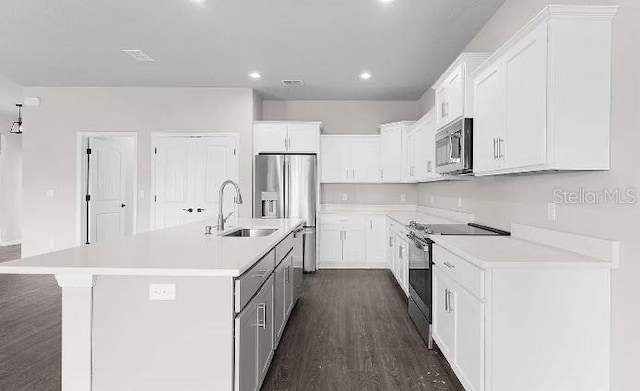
[(264, 305), (442, 106), (269, 138), (391, 153), (246, 349), (288, 287), (335, 159), (443, 320), (469, 344), (403, 265), (279, 304), (410, 172), (455, 93), (354, 244), (303, 138), (489, 119), (365, 159), (391, 238), (376, 239), (526, 97), (330, 243)]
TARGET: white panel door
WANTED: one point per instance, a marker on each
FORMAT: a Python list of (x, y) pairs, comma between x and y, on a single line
[(303, 138), (174, 181), (107, 187), (526, 102), (354, 245), (335, 159), (365, 159), (489, 119), (215, 163), (391, 153), (269, 138)]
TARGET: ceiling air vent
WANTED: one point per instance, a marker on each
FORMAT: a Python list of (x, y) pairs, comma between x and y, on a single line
[(138, 55), (292, 83)]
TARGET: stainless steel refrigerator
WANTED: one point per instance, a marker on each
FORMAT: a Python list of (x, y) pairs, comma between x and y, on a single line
[(286, 186)]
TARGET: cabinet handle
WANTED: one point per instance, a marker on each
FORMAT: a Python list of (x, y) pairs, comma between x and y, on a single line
[(262, 307), (449, 295), (500, 151), (450, 266), (390, 241), (495, 154), (286, 276), (446, 300), (353, 173), (382, 173), (347, 173), (345, 235), (429, 166)]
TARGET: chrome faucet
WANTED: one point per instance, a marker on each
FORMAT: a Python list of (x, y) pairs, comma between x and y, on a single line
[(237, 199)]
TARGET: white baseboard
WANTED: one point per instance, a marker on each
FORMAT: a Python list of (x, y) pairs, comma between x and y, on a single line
[(10, 243), (352, 265)]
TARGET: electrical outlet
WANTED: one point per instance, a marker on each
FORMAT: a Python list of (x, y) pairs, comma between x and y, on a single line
[(459, 202), (551, 211), (162, 292), (403, 197), (344, 197), (49, 194), (431, 200), (141, 194)]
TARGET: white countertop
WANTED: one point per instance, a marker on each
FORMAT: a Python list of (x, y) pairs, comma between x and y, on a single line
[(178, 251), (510, 252)]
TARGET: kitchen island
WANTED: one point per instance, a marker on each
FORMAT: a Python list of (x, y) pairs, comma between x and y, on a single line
[(176, 308)]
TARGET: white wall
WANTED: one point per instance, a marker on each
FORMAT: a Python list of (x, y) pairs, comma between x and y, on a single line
[(10, 164), (49, 145), (499, 201)]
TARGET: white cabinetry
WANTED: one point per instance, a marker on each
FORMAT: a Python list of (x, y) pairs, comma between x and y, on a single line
[(301, 137), (542, 101), (283, 291), (453, 91), (350, 159), (399, 258), (352, 241), (525, 321), (421, 150), (393, 151)]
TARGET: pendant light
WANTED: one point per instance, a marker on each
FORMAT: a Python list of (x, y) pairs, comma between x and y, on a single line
[(16, 128)]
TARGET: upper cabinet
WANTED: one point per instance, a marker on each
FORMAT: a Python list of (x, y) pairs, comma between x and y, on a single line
[(350, 159), (454, 89), (421, 150), (292, 137), (394, 152), (542, 101)]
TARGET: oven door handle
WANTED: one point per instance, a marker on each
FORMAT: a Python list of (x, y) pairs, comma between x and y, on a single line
[(421, 246)]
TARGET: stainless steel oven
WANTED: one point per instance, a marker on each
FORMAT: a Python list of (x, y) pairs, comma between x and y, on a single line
[(420, 276), (454, 148)]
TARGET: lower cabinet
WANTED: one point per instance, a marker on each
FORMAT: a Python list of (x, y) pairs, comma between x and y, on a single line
[(254, 342), (283, 301), (399, 258)]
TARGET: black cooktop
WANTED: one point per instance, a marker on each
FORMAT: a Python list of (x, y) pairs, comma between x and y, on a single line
[(454, 229)]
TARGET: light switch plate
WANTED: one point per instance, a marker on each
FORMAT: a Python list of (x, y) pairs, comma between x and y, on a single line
[(162, 292), (403, 197), (49, 194), (141, 194), (344, 196), (551, 211), (431, 200)]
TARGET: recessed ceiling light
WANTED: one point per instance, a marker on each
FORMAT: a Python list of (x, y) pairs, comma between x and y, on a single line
[(386, 1), (365, 76), (197, 1), (255, 75)]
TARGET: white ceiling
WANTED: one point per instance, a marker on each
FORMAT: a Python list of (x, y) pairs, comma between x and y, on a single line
[(405, 45)]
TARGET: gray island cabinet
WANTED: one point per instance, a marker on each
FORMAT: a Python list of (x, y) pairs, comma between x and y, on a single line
[(174, 309)]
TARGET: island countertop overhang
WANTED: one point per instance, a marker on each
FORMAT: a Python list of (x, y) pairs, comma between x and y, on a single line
[(179, 251)]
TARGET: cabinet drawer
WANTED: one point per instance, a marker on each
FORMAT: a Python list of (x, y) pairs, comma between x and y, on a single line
[(343, 220), (461, 271), (283, 248), (249, 283)]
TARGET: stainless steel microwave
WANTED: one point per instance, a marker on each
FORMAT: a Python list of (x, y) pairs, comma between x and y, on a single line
[(454, 148)]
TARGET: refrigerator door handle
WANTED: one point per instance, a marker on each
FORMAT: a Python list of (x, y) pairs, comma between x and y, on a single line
[(287, 189)]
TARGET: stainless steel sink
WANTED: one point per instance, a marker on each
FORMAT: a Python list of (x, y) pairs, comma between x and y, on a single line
[(249, 232)]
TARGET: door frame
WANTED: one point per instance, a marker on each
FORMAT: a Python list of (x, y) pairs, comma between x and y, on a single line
[(81, 176), (152, 181)]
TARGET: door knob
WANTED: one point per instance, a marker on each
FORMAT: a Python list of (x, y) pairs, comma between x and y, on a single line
[(122, 205), (200, 210), (190, 210)]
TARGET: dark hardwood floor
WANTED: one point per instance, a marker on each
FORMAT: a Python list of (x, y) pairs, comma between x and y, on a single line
[(350, 331), (29, 330)]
